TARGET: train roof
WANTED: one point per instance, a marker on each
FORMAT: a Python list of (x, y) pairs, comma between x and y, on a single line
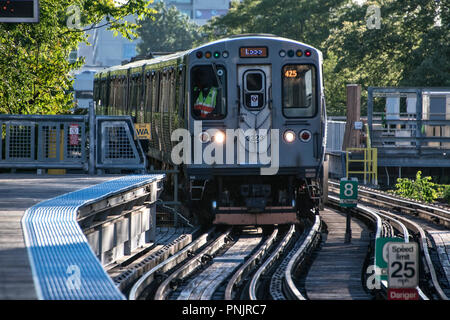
[(166, 59)]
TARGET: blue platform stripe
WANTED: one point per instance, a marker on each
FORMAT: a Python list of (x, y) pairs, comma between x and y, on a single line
[(63, 264)]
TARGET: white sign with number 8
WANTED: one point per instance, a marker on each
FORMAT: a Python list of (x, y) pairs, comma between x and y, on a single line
[(348, 190)]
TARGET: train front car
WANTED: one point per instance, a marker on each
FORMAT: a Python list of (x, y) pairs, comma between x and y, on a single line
[(257, 117)]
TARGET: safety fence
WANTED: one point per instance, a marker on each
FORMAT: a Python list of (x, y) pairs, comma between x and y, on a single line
[(85, 142), (409, 121)]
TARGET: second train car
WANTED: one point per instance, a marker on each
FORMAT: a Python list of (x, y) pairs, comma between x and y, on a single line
[(252, 119)]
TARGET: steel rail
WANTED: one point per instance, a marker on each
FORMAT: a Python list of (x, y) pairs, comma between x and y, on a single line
[(249, 264), (167, 264), (277, 252), (433, 211), (290, 289), (191, 265)]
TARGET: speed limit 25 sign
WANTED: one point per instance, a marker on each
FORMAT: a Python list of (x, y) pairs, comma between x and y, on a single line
[(403, 265)]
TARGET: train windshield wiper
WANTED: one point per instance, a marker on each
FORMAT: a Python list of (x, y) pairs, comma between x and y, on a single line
[(219, 82)]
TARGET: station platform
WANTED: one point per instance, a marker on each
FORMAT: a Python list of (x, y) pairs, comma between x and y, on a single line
[(34, 196)]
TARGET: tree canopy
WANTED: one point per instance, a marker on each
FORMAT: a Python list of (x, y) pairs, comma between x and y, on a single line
[(34, 60), (408, 49), (168, 31)]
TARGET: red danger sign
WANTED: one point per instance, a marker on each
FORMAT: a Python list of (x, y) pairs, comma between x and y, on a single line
[(403, 294), (74, 134)]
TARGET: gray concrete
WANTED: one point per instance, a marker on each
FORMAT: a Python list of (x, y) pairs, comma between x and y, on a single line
[(18, 192)]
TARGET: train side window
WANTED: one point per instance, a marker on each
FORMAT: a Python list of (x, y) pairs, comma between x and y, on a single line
[(208, 92), (148, 97), (163, 93), (157, 91), (173, 91), (180, 92), (299, 90)]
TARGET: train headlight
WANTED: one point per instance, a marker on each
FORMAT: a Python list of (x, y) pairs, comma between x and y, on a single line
[(219, 137), (305, 135), (289, 136)]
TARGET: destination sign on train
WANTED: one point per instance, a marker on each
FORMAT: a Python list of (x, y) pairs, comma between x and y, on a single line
[(253, 52)]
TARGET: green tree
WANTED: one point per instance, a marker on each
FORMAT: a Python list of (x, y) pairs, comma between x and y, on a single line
[(302, 20), (34, 60), (169, 30), (307, 21), (407, 50)]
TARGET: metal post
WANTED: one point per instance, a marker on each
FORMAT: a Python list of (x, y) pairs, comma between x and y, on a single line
[(419, 116), (348, 228), (370, 109), (92, 138)]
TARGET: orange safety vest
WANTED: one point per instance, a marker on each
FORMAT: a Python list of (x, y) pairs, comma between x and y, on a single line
[(207, 104)]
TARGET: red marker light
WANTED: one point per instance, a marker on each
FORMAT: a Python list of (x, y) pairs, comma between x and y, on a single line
[(199, 54), (305, 135), (307, 53)]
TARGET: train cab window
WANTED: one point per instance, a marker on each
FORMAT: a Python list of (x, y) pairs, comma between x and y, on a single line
[(254, 81), (254, 89), (208, 92), (299, 90)]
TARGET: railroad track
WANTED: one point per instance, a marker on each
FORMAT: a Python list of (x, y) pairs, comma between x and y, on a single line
[(215, 266), (168, 241), (224, 268), (141, 288), (411, 228)]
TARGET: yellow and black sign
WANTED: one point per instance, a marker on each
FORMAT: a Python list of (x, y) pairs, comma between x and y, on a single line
[(143, 130)]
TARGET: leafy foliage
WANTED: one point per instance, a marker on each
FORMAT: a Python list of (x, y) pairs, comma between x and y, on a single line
[(34, 60), (421, 189), (407, 50), (307, 21), (169, 30), (447, 195)]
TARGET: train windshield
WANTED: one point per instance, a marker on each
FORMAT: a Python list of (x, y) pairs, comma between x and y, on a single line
[(299, 87), (208, 92)]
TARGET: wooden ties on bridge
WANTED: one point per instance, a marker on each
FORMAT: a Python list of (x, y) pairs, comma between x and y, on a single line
[(336, 272)]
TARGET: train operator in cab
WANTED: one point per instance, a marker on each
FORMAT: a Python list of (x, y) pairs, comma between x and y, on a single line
[(205, 93)]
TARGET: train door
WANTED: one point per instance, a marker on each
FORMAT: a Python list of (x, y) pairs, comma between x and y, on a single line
[(255, 114)]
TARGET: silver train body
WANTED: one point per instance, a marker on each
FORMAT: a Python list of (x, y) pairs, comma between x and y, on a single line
[(257, 158)]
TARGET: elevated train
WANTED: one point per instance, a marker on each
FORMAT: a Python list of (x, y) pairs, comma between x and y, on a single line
[(254, 110)]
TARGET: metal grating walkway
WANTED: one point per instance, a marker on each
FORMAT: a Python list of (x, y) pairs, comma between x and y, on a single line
[(63, 264)]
